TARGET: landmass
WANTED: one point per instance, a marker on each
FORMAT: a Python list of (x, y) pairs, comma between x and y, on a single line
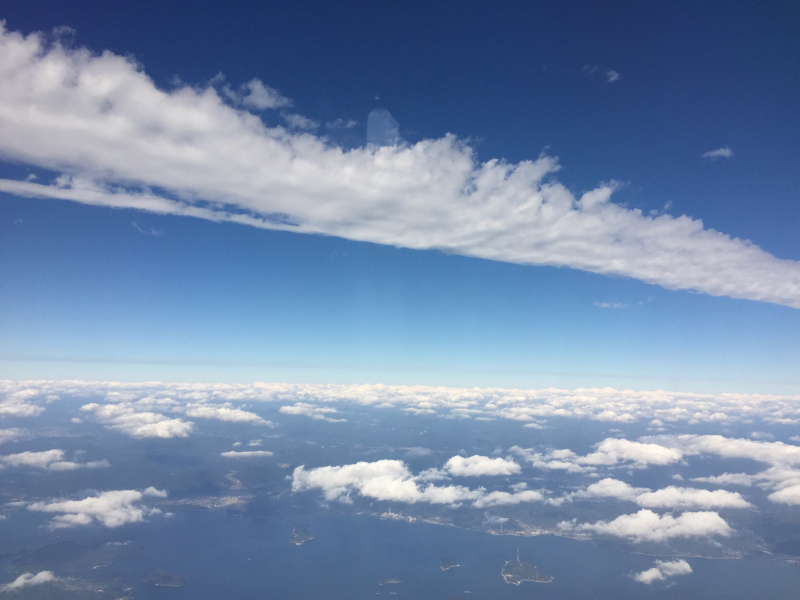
[(517, 571), (300, 534), (161, 578), (448, 564), (389, 581)]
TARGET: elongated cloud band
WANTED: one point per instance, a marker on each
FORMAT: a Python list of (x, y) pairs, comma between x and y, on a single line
[(119, 141)]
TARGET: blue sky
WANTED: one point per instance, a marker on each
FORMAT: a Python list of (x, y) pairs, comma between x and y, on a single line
[(633, 94)]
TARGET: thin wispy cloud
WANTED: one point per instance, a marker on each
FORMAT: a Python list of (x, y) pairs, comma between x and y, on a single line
[(718, 153), (114, 137)]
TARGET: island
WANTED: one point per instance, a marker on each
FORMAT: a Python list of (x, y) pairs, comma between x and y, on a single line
[(448, 564), (389, 581), (517, 571), (161, 578), (300, 534)]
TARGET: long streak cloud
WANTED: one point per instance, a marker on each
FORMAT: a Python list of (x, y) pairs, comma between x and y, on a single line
[(115, 139)]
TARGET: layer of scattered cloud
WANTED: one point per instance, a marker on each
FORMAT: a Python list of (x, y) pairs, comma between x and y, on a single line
[(112, 509), (718, 153), (647, 526), (138, 408), (52, 460), (663, 570), (247, 454), (113, 137), (28, 580)]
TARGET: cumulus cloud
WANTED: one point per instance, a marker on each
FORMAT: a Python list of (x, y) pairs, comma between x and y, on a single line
[(391, 480), (28, 580), (18, 403), (254, 94), (662, 570), (670, 497), (609, 452), (480, 465), (113, 136), (52, 460), (647, 526), (112, 509), (742, 479), (224, 413), (718, 153), (315, 412), (125, 418), (246, 454)]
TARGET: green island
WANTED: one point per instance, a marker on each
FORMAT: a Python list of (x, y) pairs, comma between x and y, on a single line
[(517, 571), (448, 564), (389, 581), (161, 578), (300, 534)]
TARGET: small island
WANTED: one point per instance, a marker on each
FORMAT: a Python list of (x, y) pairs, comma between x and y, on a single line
[(161, 578), (300, 534), (448, 564), (517, 571), (389, 581)]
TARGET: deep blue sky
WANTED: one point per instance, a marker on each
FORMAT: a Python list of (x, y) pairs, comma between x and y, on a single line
[(84, 294)]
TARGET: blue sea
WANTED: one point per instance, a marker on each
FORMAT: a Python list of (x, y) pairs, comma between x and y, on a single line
[(229, 556)]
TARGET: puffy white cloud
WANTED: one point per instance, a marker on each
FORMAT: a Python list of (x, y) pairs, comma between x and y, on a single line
[(663, 570), (101, 122), (718, 153), (647, 526), (28, 580), (17, 403), (246, 454), (112, 509), (475, 466), (48, 459), (391, 480), (609, 452), (224, 413), (124, 418), (669, 497), (678, 497), (315, 412)]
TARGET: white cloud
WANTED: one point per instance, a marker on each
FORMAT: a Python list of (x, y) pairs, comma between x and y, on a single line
[(677, 497), (391, 480), (663, 570), (296, 121), (246, 454), (101, 122), (475, 466), (315, 412), (254, 94), (111, 509), (12, 434), (224, 413), (18, 403), (613, 76), (27, 580), (418, 452), (48, 459), (742, 479), (670, 497), (124, 418), (610, 305), (718, 153), (647, 526)]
